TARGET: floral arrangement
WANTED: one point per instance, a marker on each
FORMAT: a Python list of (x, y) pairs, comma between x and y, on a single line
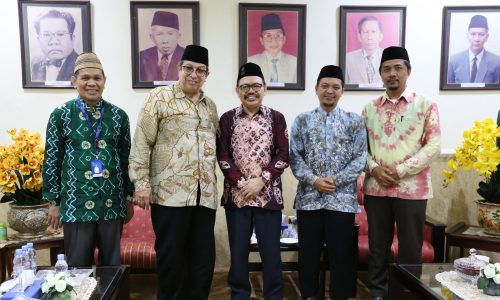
[(489, 278), (59, 284), (20, 168), (479, 151)]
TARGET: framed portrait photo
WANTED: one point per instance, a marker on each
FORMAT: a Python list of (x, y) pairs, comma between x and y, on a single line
[(470, 51), (273, 36), (160, 33), (53, 33), (365, 31)]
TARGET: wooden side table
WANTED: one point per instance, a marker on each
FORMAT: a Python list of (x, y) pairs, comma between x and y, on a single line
[(55, 243), (455, 237)]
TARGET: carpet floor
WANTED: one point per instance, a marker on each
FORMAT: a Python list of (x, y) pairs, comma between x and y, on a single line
[(143, 286)]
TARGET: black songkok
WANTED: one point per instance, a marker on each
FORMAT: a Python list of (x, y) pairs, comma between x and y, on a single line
[(196, 54), (249, 69), (478, 21), (394, 52), (271, 21), (331, 71), (165, 18)]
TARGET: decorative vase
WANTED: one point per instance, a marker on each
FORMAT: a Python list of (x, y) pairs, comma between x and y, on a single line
[(488, 217), (28, 220)]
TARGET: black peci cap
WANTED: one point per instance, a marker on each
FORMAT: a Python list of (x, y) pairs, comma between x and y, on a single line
[(331, 71), (394, 52), (196, 53), (249, 69), (271, 21), (478, 21), (165, 18)]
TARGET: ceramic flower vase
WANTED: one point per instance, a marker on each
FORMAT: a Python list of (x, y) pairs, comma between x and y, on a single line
[(488, 217)]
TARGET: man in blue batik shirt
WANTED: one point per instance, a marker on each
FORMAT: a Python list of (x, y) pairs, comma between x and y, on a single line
[(327, 153)]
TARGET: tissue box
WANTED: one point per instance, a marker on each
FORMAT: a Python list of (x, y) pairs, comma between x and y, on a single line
[(33, 291)]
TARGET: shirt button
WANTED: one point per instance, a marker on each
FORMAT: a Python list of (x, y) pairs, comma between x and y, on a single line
[(89, 204)]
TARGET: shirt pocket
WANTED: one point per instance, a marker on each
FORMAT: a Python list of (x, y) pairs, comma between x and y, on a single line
[(181, 122), (411, 121)]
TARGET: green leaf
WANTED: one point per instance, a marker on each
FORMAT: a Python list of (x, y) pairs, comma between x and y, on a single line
[(482, 283), (6, 198), (491, 283)]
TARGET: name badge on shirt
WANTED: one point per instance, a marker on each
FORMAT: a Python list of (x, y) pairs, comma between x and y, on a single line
[(96, 168)]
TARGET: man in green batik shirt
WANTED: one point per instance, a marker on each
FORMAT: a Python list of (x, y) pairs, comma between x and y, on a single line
[(85, 171)]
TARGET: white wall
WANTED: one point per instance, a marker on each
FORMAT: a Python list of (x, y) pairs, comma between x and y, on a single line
[(30, 108)]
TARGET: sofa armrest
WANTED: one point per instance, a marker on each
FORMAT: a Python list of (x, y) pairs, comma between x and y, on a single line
[(438, 235)]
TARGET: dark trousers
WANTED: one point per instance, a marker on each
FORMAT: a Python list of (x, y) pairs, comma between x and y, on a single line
[(185, 251), (81, 239), (268, 230), (409, 216), (336, 229)]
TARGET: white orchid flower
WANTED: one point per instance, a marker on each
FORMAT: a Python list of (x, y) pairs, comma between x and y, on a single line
[(497, 267), (496, 279), (51, 281), (489, 271), (45, 287), (60, 286), (70, 281)]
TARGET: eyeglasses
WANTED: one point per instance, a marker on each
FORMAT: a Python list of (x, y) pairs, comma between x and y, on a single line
[(269, 36), (50, 35), (188, 70), (246, 87)]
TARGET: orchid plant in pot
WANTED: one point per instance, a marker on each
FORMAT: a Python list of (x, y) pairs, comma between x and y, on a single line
[(58, 286), (21, 182), (480, 150), (489, 279)]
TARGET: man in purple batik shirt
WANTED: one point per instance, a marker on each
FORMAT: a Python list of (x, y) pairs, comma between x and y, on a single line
[(252, 150)]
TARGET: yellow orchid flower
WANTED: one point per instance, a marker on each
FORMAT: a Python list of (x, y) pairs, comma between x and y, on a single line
[(478, 151), (25, 169), (21, 162), (453, 164)]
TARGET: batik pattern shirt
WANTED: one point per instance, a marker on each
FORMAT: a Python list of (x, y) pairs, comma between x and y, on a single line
[(173, 150), (328, 144), (407, 135), (69, 148), (251, 147)]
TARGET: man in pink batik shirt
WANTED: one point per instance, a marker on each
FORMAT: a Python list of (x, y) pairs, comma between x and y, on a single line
[(403, 137), (252, 150)]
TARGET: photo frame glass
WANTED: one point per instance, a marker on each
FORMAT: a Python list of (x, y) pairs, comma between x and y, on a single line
[(53, 33), (364, 33), (160, 33), (273, 37), (470, 52)]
